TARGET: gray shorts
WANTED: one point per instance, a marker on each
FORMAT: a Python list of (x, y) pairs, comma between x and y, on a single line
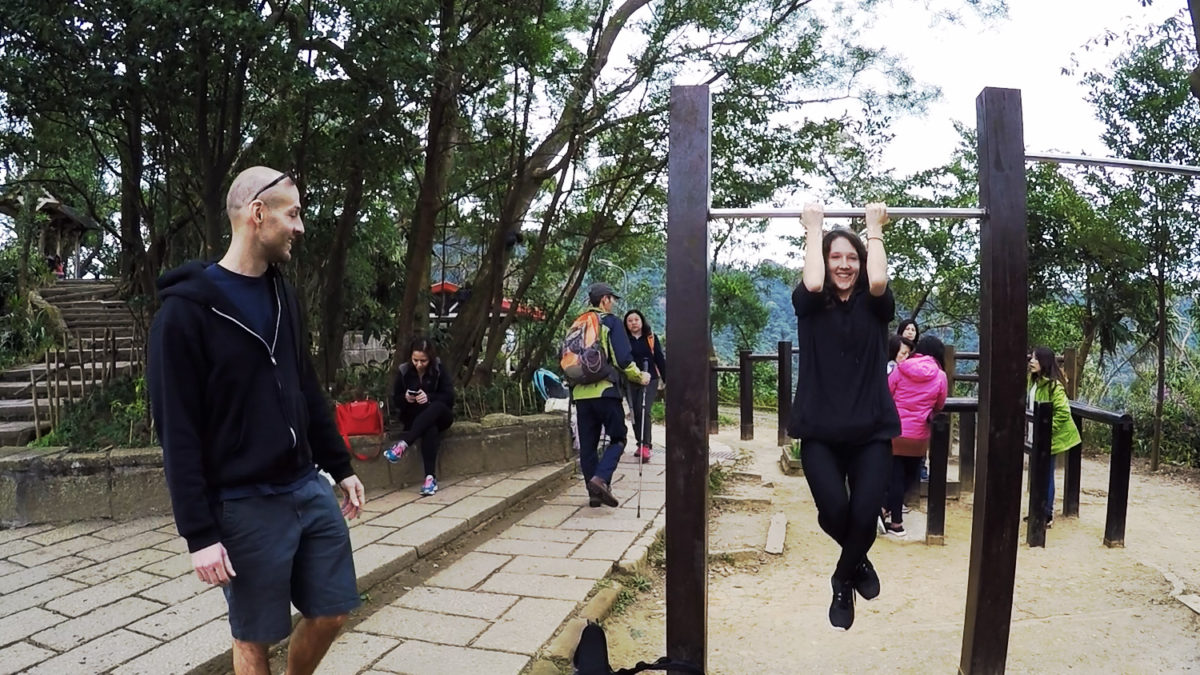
[(291, 548)]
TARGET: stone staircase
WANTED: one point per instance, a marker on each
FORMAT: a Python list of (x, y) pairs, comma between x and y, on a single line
[(102, 340)]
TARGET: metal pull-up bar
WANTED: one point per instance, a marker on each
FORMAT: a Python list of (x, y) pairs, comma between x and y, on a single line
[(1116, 162), (893, 213)]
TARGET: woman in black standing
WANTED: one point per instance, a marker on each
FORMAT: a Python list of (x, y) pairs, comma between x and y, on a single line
[(647, 355), (843, 413)]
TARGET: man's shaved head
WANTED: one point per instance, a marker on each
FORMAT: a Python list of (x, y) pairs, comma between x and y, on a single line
[(249, 182)]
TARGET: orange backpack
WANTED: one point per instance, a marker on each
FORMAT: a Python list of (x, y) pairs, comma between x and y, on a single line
[(583, 359)]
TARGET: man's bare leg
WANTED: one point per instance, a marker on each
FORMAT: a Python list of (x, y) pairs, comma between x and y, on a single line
[(250, 658), (310, 641)]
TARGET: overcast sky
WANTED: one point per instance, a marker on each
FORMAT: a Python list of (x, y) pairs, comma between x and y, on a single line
[(1027, 51)]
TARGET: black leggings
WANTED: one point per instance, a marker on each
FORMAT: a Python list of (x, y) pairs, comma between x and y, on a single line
[(427, 425), (905, 472), (847, 516)]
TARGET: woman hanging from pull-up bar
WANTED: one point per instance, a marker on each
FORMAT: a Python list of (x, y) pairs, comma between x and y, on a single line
[(843, 413)]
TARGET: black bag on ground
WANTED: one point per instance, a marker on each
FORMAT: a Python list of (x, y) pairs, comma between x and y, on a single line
[(591, 657)]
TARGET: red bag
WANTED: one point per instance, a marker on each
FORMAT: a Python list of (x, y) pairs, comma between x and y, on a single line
[(360, 418)]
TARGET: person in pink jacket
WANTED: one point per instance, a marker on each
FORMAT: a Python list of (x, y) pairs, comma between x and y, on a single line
[(918, 386)]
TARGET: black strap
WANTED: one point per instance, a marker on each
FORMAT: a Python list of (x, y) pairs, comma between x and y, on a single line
[(663, 663)]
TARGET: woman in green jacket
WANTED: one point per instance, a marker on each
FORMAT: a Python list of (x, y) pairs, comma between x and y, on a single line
[(1047, 384)]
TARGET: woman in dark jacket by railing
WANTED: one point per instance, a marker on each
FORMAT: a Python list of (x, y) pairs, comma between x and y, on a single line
[(423, 400), (647, 355)]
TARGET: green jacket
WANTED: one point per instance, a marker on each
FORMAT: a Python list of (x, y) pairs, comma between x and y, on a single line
[(620, 357), (1063, 433)]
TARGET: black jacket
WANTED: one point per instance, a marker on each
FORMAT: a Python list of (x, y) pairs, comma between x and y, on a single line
[(233, 409), (436, 383), (653, 357)]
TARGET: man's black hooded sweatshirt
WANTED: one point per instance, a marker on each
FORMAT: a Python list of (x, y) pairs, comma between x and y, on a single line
[(237, 412)]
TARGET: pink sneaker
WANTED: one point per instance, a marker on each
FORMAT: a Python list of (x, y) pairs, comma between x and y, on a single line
[(394, 453), (644, 453)]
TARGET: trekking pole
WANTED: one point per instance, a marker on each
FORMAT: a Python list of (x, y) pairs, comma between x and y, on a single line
[(642, 436)]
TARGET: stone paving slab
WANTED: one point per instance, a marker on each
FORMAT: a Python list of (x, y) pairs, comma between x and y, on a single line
[(469, 570), (559, 567), (400, 622), (97, 656), (190, 650), (70, 634), (461, 603), (18, 657), (552, 549), (539, 586), (178, 619), (25, 623), (352, 652), (423, 658), (28, 577), (527, 626), (475, 510), (428, 534), (83, 601)]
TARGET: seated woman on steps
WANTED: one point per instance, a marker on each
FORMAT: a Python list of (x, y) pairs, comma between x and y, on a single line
[(423, 400)]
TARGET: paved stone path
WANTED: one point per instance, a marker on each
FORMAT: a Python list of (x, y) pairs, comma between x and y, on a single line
[(99, 596)]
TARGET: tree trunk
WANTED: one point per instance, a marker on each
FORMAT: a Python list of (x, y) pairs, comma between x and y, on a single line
[(333, 292), (413, 316), (1161, 287)]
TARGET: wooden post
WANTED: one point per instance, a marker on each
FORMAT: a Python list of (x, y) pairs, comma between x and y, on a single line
[(1072, 479), (1039, 470), (950, 365), (783, 393), (688, 303), (112, 335), (714, 411), (1118, 483), (1004, 321), (1070, 368), (746, 394), (92, 357), (37, 422), (966, 451), (939, 454)]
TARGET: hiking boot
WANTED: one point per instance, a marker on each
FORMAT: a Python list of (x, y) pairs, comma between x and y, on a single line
[(394, 453), (644, 453), (896, 530), (841, 610), (598, 489), (429, 487), (866, 580)]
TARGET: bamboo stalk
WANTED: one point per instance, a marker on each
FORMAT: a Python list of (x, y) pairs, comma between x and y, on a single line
[(92, 359), (54, 393), (82, 372), (37, 422)]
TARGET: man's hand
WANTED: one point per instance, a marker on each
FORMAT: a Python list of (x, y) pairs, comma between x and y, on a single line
[(877, 217), (354, 496), (645, 378), (813, 217), (212, 565)]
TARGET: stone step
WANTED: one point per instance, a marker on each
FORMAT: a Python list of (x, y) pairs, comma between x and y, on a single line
[(20, 374), (57, 294), (20, 432), (20, 390), (20, 410), (71, 356), (99, 322)]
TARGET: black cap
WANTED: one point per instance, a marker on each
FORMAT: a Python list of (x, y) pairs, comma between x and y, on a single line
[(601, 289)]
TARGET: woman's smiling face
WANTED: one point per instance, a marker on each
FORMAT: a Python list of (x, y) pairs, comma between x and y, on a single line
[(843, 266)]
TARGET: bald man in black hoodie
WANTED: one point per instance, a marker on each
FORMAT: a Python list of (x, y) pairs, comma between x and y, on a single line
[(245, 427)]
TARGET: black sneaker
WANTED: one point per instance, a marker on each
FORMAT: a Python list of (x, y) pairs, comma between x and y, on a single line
[(599, 489), (841, 610), (866, 581)]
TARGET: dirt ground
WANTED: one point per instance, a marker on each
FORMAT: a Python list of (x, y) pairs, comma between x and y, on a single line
[(1078, 606)]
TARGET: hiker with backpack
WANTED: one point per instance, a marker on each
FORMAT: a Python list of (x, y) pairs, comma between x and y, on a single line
[(423, 399), (646, 350), (596, 358), (843, 413)]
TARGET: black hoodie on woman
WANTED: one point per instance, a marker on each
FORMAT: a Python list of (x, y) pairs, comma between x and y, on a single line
[(237, 412)]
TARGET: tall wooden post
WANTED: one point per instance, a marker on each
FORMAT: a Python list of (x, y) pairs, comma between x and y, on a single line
[(1039, 475), (783, 393), (746, 394), (688, 301), (714, 423), (1004, 317), (939, 453), (1118, 482)]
